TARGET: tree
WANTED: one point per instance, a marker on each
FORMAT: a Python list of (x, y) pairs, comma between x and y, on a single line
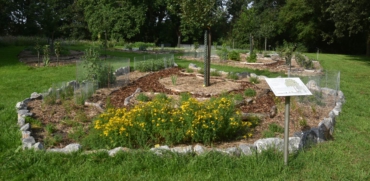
[(114, 19), (351, 17), (201, 14), (245, 26)]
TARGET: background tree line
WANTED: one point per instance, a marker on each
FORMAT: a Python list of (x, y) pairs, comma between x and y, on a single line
[(329, 25)]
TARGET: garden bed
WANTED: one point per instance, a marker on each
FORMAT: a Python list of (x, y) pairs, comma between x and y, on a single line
[(63, 122)]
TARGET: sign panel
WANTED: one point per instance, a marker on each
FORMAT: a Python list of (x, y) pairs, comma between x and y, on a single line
[(292, 86)]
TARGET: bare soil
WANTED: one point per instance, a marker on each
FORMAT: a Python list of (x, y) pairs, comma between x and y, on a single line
[(65, 116)]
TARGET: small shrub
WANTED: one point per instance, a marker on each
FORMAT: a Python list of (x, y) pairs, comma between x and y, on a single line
[(233, 76), (223, 53), (189, 70), (215, 73), (254, 80), (250, 92), (252, 58), (238, 97), (201, 71), (142, 97), (273, 127), (49, 128), (303, 123), (174, 79), (46, 56), (184, 97), (161, 96), (233, 55), (268, 134)]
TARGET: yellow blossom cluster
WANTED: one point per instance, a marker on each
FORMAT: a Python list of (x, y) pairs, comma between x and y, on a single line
[(159, 121)]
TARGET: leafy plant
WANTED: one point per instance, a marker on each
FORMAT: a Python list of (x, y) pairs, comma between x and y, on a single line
[(273, 127), (223, 53), (46, 57), (252, 57), (233, 76), (96, 70), (37, 47), (215, 73), (250, 92), (174, 79), (142, 97), (57, 51), (189, 70), (233, 55), (254, 80), (268, 134), (49, 128)]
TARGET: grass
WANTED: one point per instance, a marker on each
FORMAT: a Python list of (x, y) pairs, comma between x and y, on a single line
[(345, 158)]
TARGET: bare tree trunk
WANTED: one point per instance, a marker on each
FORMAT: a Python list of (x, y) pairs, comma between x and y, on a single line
[(368, 45), (265, 43)]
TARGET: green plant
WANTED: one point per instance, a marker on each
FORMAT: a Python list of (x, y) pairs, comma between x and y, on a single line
[(233, 55), (223, 53), (254, 80), (303, 61), (50, 128), (184, 97), (201, 71), (232, 75), (142, 97), (77, 133), (96, 70), (252, 57), (238, 97), (161, 96), (174, 79), (215, 73), (189, 70), (303, 123), (250, 92), (34, 122), (268, 134), (37, 47), (57, 50), (273, 127), (46, 57), (128, 46)]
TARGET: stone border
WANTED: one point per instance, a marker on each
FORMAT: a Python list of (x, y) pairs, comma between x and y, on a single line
[(300, 140)]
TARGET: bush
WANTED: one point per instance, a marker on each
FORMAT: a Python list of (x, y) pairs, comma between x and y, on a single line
[(96, 70), (233, 55), (223, 53), (158, 122), (303, 61), (252, 58), (233, 76), (250, 92), (150, 65)]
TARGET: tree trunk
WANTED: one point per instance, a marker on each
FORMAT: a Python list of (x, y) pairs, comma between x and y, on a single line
[(209, 57), (265, 43), (368, 45)]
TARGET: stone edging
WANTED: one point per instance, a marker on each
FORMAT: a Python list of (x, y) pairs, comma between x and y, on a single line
[(300, 140)]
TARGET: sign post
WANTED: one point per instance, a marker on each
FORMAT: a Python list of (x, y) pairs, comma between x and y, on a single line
[(287, 87)]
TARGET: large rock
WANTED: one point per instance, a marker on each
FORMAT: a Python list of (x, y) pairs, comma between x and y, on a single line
[(182, 149), (159, 150), (38, 146), (198, 149), (73, 147), (308, 138), (26, 127), (269, 143), (114, 151), (36, 95), (21, 121), (247, 149), (232, 151), (28, 142), (312, 85)]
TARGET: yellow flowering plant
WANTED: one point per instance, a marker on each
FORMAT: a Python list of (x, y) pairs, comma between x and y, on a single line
[(160, 122)]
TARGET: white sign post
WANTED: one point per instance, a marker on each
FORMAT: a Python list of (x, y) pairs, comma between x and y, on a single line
[(286, 87)]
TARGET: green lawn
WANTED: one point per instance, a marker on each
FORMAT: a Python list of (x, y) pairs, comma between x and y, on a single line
[(345, 158)]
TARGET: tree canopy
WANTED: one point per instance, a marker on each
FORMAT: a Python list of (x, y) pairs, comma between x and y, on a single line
[(331, 25)]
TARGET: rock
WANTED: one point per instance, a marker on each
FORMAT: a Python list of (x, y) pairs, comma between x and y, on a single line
[(247, 149), (243, 74), (269, 143), (24, 113), (249, 116), (253, 75), (28, 142), (26, 134), (182, 150), (328, 91), (249, 100), (262, 77), (232, 151), (192, 66), (273, 111), (294, 143), (312, 85), (38, 146), (160, 149), (72, 147), (21, 121), (20, 105), (36, 95), (308, 138), (26, 127), (114, 151), (332, 114), (198, 149)]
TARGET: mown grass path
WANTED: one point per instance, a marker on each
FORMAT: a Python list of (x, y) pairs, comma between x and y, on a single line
[(345, 158)]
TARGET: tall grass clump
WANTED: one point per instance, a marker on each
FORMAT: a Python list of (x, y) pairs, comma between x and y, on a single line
[(159, 122)]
